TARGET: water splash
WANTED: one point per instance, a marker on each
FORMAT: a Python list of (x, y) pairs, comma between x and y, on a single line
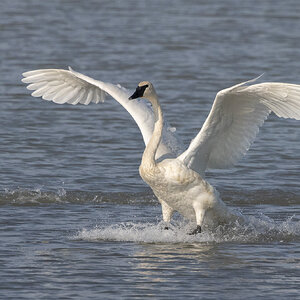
[(256, 230), (25, 197)]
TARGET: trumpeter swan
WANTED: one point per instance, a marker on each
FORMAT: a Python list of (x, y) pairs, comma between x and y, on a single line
[(177, 177)]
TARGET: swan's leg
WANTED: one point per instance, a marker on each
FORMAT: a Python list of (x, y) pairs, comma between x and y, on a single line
[(200, 213), (167, 212)]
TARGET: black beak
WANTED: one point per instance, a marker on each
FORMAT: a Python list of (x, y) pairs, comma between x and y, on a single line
[(139, 92), (135, 95)]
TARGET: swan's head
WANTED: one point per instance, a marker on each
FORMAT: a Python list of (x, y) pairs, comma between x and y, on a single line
[(143, 90)]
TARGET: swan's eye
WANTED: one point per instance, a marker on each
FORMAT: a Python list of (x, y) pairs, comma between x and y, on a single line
[(142, 88), (139, 92)]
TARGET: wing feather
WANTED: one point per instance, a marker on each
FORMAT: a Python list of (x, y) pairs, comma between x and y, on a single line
[(89, 97), (79, 97), (68, 86), (40, 91), (234, 121)]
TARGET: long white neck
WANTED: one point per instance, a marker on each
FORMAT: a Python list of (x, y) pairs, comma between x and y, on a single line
[(153, 144)]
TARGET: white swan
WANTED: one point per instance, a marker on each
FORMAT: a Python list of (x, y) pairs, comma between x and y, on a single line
[(177, 178)]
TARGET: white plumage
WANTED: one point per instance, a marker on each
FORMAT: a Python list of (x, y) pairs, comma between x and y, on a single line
[(68, 86), (177, 176)]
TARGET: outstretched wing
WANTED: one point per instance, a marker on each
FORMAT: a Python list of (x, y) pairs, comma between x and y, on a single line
[(68, 86), (234, 120)]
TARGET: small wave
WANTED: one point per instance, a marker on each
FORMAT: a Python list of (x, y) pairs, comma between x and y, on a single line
[(257, 197), (262, 230), (31, 197), (25, 197)]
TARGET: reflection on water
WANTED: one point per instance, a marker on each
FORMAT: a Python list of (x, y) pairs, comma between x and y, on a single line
[(152, 260)]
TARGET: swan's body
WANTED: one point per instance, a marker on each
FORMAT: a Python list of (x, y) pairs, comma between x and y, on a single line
[(177, 187), (181, 189), (177, 177)]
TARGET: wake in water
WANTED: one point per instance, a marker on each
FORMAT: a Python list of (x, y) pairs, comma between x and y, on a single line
[(262, 230)]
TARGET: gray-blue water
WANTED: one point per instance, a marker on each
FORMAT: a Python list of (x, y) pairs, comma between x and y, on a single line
[(76, 220)]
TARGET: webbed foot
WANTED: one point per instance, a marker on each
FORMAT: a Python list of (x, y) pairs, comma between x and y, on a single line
[(195, 231)]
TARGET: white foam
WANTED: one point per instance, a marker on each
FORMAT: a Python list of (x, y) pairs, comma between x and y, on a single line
[(260, 229)]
